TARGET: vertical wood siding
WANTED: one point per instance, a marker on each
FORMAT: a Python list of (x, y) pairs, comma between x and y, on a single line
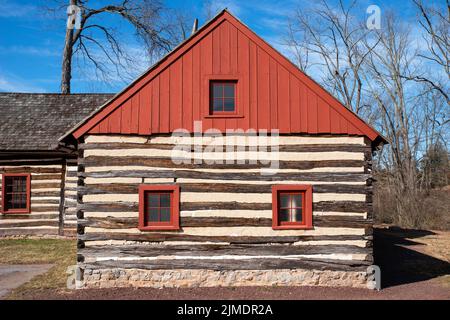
[(271, 93)]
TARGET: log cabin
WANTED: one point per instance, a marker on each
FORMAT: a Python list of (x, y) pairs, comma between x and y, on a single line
[(38, 178), (224, 165)]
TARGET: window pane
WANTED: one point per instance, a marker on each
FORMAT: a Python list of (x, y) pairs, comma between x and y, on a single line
[(218, 105), (165, 215), (296, 200), (217, 91), (283, 215), (153, 200), (284, 201), (153, 215), (165, 200), (229, 90), (229, 104), (298, 215), (15, 192)]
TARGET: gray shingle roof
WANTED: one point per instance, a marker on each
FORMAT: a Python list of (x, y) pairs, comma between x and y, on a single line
[(35, 121)]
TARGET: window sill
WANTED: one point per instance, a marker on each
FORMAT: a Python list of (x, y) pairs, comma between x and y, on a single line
[(16, 212), (227, 116), (159, 228), (293, 227)]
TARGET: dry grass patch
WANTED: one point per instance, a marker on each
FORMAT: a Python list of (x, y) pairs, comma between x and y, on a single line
[(60, 252)]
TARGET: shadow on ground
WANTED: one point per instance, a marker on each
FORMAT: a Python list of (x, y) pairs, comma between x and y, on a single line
[(401, 259)]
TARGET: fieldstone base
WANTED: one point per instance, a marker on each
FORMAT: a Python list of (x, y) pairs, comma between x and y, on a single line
[(188, 278)]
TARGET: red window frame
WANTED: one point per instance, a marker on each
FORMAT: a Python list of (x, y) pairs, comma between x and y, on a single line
[(306, 192), (174, 223), (214, 83), (27, 193)]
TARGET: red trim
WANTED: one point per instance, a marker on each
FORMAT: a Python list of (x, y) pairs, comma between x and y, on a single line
[(119, 99), (306, 191), (174, 223), (28, 193)]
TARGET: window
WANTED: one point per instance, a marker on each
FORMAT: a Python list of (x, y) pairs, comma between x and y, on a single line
[(159, 207), (16, 193), (292, 207), (223, 97)]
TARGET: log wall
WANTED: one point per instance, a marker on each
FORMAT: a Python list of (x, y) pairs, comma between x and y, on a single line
[(53, 199), (225, 209)]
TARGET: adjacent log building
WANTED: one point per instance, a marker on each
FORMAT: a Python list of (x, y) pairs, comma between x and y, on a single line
[(38, 178)]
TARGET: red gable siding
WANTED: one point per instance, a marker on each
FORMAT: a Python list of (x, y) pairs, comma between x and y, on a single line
[(271, 92)]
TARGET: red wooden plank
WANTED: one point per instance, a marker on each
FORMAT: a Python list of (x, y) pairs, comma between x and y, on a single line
[(196, 83), (233, 49), (294, 103), (263, 90), (273, 92), (114, 121), (303, 108), (176, 95), (126, 117), (104, 126), (145, 111), (206, 62), (216, 51), (334, 121), (134, 125), (283, 100), (323, 117), (164, 102), (187, 91), (253, 87), (155, 105), (312, 112), (244, 69), (225, 46), (343, 125)]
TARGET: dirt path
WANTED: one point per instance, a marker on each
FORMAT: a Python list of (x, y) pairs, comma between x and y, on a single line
[(13, 276)]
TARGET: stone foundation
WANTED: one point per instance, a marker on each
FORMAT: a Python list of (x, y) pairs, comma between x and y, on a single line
[(187, 278)]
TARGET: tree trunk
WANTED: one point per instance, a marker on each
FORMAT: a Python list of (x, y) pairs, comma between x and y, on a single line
[(66, 74)]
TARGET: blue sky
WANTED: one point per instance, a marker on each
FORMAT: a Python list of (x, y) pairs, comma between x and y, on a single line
[(31, 42)]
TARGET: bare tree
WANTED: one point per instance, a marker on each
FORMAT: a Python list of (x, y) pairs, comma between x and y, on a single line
[(333, 38), (97, 43), (435, 22)]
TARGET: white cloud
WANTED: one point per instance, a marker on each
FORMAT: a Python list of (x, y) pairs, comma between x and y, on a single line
[(10, 9)]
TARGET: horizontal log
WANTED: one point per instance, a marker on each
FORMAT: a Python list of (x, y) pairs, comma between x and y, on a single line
[(46, 177), (29, 170), (43, 209), (341, 206), (128, 188), (320, 221), (23, 224), (281, 147), (243, 264), (94, 161), (161, 236), (38, 186), (29, 216), (212, 250), (44, 193), (44, 201), (314, 176)]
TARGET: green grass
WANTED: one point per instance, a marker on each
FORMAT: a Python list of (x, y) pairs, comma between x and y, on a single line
[(61, 253)]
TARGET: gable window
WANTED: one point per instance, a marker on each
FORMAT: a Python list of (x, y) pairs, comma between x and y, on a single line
[(292, 207), (223, 97), (16, 193), (159, 207)]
